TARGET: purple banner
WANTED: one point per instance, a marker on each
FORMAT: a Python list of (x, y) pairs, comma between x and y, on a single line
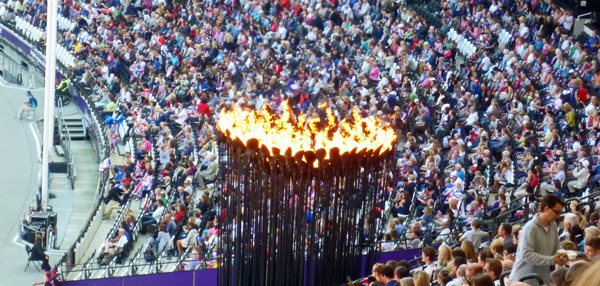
[(95, 282), (185, 278), (407, 255), (209, 277), (206, 277)]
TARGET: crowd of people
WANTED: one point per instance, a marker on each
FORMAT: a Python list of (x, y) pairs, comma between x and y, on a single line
[(481, 138)]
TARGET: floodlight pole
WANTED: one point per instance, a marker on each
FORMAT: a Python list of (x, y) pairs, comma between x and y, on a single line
[(48, 139)]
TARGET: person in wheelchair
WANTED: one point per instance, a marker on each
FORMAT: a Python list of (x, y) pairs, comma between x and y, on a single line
[(63, 87), (62, 91)]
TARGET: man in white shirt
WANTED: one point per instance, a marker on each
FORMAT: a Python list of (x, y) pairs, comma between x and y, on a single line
[(154, 218), (460, 273), (114, 245), (428, 257), (485, 62), (443, 236), (566, 20), (473, 117)]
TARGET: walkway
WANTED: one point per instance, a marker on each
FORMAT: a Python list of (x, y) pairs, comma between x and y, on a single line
[(20, 169)]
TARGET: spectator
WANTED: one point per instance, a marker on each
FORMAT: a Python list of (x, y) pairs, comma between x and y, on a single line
[(461, 272), (114, 246), (208, 175), (493, 268), (152, 218), (428, 257), (557, 277), (387, 275), (162, 239), (473, 270), (483, 280), (474, 235), (116, 201), (445, 276), (505, 234), (592, 248), (421, 278), (469, 251)]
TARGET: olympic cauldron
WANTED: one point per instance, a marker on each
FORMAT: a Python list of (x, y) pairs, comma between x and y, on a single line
[(298, 201)]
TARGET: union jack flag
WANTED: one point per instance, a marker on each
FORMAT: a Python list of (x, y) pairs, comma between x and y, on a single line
[(449, 190), (138, 188), (457, 194), (403, 116), (104, 165)]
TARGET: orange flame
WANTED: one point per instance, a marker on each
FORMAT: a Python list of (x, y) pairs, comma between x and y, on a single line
[(301, 135)]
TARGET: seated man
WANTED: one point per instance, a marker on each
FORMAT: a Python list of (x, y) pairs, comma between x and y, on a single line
[(210, 174), (30, 105), (592, 248), (114, 245), (152, 218), (115, 201)]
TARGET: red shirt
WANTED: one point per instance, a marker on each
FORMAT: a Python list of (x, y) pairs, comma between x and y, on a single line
[(583, 94), (179, 216), (277, 69), (534, 182), (203, 108)]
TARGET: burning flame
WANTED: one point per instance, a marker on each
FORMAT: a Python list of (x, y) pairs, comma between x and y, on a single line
[(286, 132)]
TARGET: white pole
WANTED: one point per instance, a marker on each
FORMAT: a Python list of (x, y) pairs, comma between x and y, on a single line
[(48, 140)]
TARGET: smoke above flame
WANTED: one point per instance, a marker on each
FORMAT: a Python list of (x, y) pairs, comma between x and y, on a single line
[(362, 133)]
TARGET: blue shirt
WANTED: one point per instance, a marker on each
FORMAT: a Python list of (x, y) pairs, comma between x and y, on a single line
[(33, 102), (461, 175), (399, 228)]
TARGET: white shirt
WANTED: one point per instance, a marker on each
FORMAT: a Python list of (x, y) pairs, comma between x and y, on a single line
[(122, 241), (485, 63), (105, 73), (458, 281), (430, 269), (443, 235), (473, 118), (181, 117), (158, 213)]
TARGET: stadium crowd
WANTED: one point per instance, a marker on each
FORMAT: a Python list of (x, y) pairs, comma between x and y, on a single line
[(487, 141)]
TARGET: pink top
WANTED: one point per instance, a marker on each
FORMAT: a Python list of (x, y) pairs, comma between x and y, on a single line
[(374, 73)]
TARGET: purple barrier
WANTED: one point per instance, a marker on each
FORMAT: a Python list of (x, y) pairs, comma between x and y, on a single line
[(96, 282), (209, 277), (407, 255), (206, 277), (185, 278)]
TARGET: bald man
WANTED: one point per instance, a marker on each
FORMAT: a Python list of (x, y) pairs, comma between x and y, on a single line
[(460, 275), (507, 264), (472, 271)]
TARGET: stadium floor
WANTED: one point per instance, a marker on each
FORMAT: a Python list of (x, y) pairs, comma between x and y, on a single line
[(20, 170)]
